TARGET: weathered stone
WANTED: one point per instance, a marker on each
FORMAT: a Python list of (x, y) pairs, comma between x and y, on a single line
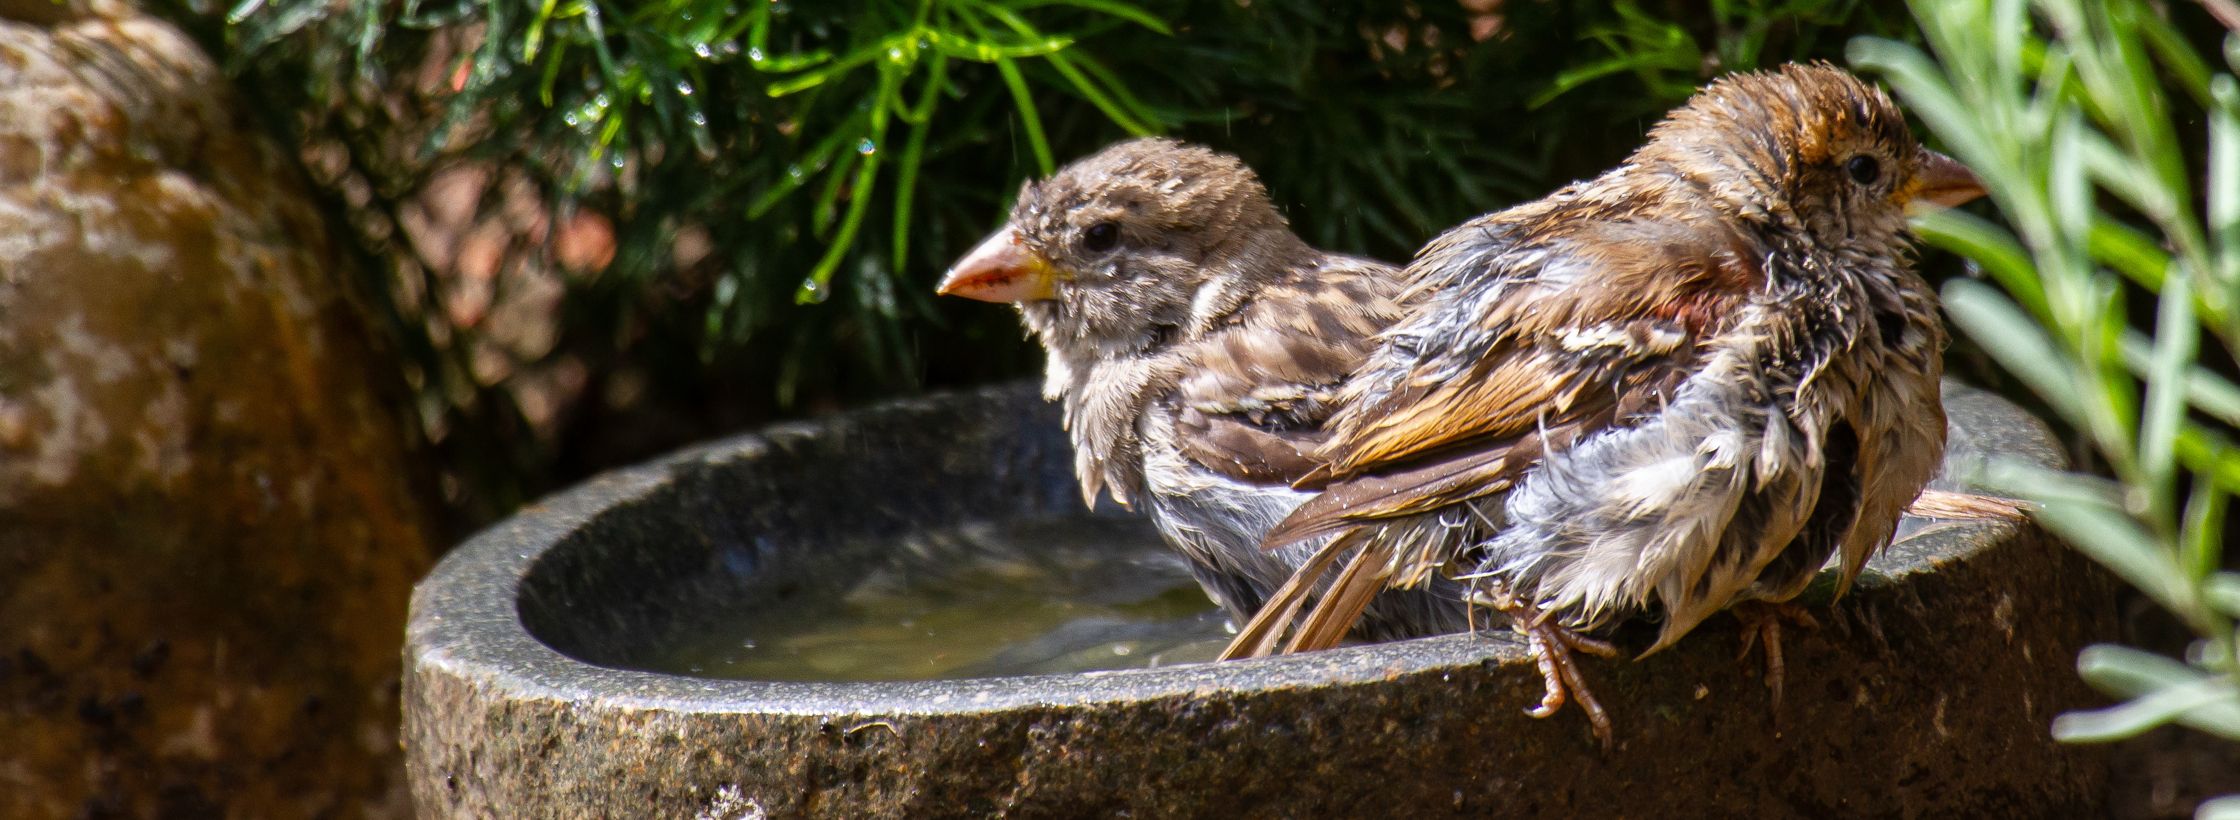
[(1927, 693), (206, 533)]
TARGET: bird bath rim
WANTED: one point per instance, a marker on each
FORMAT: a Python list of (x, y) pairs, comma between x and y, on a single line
[(482, 635), (498, 723), (485, 636)]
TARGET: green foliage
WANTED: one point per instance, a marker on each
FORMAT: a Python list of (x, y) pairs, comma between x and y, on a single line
[(1664, 55), (2077, 136), (843, 153)]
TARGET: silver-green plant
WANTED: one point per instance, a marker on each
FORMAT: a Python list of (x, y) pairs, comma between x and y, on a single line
[(2070, 111)]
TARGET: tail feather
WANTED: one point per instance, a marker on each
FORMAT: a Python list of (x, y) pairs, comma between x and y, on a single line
[(1259, 636), (1332, 617), (1967, 506)]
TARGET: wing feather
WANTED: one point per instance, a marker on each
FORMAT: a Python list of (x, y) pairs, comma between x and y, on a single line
[(1260, 388), (1553, 338)]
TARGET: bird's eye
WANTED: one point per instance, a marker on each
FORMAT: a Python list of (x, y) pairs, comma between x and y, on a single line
[(1100, 237), (1863, 169)]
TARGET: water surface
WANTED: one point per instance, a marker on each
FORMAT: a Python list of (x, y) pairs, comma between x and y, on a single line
[(1031, 596)]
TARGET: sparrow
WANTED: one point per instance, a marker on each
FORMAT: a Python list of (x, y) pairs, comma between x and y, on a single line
[(1196, 345), (1679, 387)]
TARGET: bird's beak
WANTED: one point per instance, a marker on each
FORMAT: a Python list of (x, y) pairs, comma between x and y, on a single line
[(1001, 270), (1942, 182)]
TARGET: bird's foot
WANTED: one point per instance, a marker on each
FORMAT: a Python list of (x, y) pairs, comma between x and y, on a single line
[(1552, 644), (1761, 620)]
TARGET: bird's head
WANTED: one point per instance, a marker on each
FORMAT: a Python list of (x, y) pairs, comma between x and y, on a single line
[(1119, 251), (1809, 148)]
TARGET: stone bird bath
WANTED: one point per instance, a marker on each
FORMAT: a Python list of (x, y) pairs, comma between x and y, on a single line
[(1927, 691)]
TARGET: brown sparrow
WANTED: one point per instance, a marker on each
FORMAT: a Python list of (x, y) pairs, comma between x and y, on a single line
[(1197, 345), (1678, 387)]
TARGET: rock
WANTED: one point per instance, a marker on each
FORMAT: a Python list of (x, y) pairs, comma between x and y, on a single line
[(206, 529), (1927, 692)]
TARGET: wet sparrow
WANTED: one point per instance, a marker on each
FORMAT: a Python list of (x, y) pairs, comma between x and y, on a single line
[(1678, 387), (1196, 345)]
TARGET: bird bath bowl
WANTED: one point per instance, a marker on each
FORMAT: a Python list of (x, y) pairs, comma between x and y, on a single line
[(1926, 691)]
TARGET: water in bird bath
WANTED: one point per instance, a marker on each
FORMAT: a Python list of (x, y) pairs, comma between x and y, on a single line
[(1032, 596)]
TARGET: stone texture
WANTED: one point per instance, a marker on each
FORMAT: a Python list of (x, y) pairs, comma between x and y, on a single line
[(206, 533), (1927, 693)]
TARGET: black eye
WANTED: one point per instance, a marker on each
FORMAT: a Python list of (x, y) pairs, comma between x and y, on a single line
[(1100, 237), (1863, 169)]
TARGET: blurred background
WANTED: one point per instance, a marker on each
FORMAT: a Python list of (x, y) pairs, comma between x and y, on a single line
[(596, 232), (561, 236)]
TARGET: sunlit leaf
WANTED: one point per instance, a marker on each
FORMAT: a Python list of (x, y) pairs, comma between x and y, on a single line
[(2175, 350), (2147, 712), (2016, 342), (2222, 808), (2222, 590), (2223, 181), (2203, 534), (2060, 106), (2128, 673), (2120, 544), (1030, 121), (1124, 11), (2207, 391), (1992, 247)]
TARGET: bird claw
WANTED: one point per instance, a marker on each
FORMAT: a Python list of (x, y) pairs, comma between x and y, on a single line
[(1552, 646), (1762, 619)]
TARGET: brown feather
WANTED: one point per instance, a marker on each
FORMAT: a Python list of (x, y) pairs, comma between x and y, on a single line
[(1691, 275), (1335, 613), (1260, 634), (1257, 390), (1967, 506), (1744, 262), (1426, 486), (1237, 448), (1456, 439), (1198, 347)]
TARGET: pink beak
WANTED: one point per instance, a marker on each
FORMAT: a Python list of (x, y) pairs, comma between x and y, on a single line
[(1001, 269), (1943, 182)]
